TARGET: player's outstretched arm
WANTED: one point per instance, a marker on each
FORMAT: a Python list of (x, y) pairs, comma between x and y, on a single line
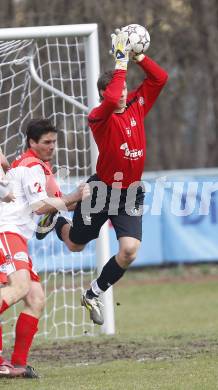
[(66, 202), (156, 78), (111, 95), (81, 193)]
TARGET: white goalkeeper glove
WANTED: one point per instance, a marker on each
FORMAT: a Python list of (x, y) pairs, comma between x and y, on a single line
[(136, 57), (120, 49)]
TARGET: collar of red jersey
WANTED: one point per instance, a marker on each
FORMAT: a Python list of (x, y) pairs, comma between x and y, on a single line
[(45, 164)]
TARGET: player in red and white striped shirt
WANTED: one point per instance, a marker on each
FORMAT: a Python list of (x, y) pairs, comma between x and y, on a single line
[(5, 196), (36, 192)]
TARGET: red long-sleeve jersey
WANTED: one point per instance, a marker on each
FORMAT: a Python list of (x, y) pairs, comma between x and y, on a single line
[(120, 137)]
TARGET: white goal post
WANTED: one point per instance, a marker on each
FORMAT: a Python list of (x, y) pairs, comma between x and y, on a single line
[(52, 71)]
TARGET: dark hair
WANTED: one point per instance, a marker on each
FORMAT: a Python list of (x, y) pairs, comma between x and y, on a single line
[(103, 81), (38, 127)]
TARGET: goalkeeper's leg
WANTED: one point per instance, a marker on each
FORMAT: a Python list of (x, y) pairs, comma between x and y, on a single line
[(113, 271), (76, 237), (129, 234), (77, 234)]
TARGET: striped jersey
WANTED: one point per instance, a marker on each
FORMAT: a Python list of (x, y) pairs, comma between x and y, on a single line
[(31, 181)]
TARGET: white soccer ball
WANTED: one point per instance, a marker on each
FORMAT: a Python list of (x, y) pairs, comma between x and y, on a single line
[(139, 38)]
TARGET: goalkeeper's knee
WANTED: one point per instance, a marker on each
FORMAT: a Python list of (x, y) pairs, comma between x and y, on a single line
[(61, 221)]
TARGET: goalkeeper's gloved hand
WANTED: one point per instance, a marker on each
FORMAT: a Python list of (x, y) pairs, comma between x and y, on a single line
[(136, 57), (120, 49)]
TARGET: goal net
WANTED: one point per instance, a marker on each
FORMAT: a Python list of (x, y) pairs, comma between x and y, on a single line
[(52, 72)]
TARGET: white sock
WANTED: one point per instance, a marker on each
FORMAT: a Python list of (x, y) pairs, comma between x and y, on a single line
[(94, 286)]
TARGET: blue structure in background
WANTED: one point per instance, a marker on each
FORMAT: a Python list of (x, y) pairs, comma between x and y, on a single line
[(180, 225)]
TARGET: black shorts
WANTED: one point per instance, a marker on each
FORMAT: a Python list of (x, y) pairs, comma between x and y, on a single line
[(86, 227)]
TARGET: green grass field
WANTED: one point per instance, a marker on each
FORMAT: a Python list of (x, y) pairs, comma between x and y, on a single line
[(166, 338)]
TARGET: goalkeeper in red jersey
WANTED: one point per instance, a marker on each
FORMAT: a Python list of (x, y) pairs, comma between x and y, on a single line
[(117, 125)]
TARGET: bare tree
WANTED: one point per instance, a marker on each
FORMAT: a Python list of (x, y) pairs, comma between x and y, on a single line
[(182, 128)]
